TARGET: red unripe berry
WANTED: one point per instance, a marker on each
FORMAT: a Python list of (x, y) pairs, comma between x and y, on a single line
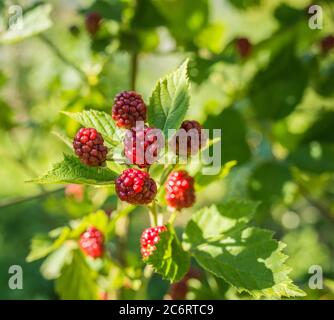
[(149, 238), (93, 22), (327, 44), (244, 47), (142, 146), (91, 242), (189, 140), (128, 108), (88, 146), (180, 191), (136, 187), (75, 191)]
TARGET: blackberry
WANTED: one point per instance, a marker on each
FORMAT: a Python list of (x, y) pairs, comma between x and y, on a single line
[(135, 187), (195, 139), (128, 108), (142, 146), (88, 146)]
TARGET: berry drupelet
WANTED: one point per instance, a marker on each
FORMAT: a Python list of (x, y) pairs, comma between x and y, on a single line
[(149, 238), (136, 187), (180, 191), (91, 242), (88, 146), (128, 108)]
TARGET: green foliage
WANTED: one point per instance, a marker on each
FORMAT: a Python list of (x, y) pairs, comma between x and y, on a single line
[(42, 245), (261, 186), (280, 97), (170, 100), (169, 259), (34, 21), (233, 138), (99, 120), (314, 157), (71, 170), (77, 280), (248, 258)]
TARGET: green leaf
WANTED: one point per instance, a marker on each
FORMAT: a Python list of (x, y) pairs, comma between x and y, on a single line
[(233, 135), (34, 21), (170, 100), (99, 120), (6, 118), (267, 181), (314, 157), (184, 18), (77, 280), (204, 179), (276, 90), (108, 9), (71, 170), (42, 245), (63, 138), (169, 259), (247, 258), (54, 263)]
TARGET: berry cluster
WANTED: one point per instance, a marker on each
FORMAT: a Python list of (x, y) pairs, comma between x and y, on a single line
[(149, 238), (141, 147), (128, 108), (180, 192), (88, 146), (136, 187), (91, 242)]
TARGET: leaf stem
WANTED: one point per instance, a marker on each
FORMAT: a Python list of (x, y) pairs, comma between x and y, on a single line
[(173, 216)]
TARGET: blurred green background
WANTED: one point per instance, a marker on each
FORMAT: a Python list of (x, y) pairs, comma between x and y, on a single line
[(274, 104)]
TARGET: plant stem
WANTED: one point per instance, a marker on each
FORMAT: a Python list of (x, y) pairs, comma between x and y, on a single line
[(173, 216), (153, 214), (134, 71), (15, 201)]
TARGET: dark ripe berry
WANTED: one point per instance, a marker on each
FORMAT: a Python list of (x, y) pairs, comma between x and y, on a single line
[(327, 44), (142, 145), (93, 22), (243, 46), (180, 191), (135, 187), (88, 146), (178, 290), (149, 238), (189, 140), (128, 108), (91, 242)]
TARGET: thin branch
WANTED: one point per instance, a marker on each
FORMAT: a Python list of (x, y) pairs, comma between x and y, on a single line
[(134, 71), (15, 201), (323, 209)]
